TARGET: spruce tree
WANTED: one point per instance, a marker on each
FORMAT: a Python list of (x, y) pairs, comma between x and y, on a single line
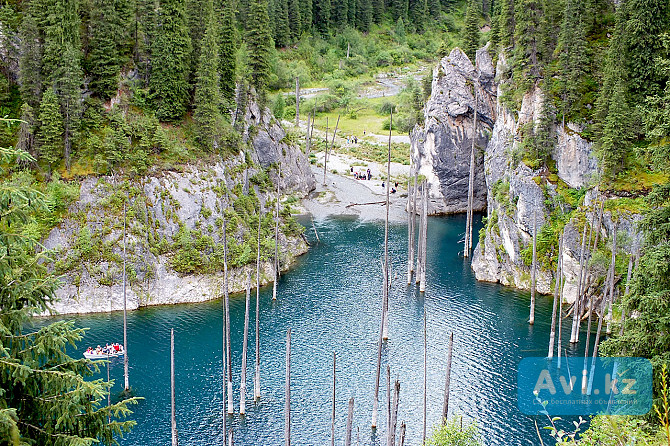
[(400, 33), (103, 58), (306, 15), (617, 137), (351, 14), (471, 30), (526, 39), (572, 55), (495, 25), (378, 10), (282, 33), (435, 9), (69, 82), (171, 51), (340, 16), (145, 28), (647, 20), (227, 53), (294, 20), (364, 15), (259, 45), (30, 61), (506, 24), (50, 136), (26, 139), (207, 95), (48, 397), (197, 23), (322, 16), (418, 11)]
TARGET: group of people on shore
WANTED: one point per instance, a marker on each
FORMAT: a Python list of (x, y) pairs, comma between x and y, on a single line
[(108, 349), (367, 175)]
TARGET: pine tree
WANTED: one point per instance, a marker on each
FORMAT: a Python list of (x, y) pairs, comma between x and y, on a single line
[(322, 16), (294, 20), (378, 10), (340, 16), (68, 87), (171, 50), (207, 95), (227, 53), (573, 58), (648, 19), (282, 33), (616, 140), (364, 15), (30, 61), (471, 30), (495, 25), (435, 9), (103, 59), (259, 44), (197, 23), (526, 39), (506, 24), (48, 397), (400, 33), (50, 136), (306, 15)]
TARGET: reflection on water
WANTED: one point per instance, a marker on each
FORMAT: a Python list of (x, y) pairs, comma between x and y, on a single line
[(331, 302)]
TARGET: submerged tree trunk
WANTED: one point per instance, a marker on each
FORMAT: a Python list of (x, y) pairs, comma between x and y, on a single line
[(350, 421), (552, 334), (387, 279), (126, 382), (243, 379), (576, 315), (276, 259), (424, 245), (297, 101), (229, 370), (447, 382), (332, 418), (471, 184), (613, 274), (175, 441), (425, 373), (287, 391), (410, 240), (531, 319), (257, 374)]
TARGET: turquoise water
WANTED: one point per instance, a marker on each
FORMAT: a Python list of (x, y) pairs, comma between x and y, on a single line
[(330, 300)]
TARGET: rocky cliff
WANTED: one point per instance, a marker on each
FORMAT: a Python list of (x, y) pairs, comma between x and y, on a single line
[(174, 227), (559, 199), (441, 147)]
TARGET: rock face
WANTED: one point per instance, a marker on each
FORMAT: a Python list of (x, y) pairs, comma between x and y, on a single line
[(441, 148), (270, 146), (170, 214), (518, 195), (574, 156)]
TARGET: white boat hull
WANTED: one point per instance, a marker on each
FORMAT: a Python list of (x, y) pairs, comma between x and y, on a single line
[(101, 356)]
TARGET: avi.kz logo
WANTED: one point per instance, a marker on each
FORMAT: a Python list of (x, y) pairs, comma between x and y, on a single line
[(575, 386)]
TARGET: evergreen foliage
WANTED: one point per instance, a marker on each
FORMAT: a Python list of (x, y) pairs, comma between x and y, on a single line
[(527, 18), (69, 81), (471, 29), (30, 62), (295, 19), (364, 15), (47, 397), (572, 54), (171, 52), (207, 95), (103, 59), (281, 30), (227, 52), (50, 137), (322, 15), (259, 42)]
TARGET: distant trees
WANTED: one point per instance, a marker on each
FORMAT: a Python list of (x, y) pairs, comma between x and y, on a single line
[(171, 52), (227, 36)]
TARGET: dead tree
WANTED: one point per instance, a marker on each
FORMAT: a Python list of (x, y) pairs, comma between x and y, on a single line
[(574, 334), (531, 319), (447, 381), (243, 378), (471, 183), (552, 334), (175, 441)]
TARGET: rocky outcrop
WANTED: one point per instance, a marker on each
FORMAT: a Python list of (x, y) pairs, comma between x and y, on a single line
[(270, 144), (441, 148), (518, 195), (174, 229), (574, 157)]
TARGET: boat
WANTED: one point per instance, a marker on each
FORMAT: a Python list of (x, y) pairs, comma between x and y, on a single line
[(99, 354)]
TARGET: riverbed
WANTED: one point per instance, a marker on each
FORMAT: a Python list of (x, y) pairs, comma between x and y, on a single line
[(331, 302)]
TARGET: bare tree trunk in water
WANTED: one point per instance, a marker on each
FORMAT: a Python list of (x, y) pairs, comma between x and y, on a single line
[(552, 334), (576, 314), (447, 382), (531, 319)]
